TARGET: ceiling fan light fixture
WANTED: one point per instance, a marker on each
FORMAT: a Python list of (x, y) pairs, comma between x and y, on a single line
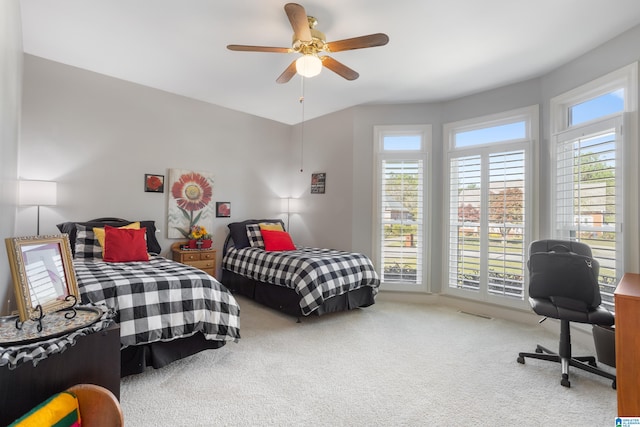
[(308, 41), (308, 65)]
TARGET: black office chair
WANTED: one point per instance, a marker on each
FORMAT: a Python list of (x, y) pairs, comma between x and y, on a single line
[(563, 284)]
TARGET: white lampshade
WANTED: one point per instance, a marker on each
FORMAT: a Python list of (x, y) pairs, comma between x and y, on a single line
[(308, 65), (289, 205), (37, 193), (284, 205), (294, 205)]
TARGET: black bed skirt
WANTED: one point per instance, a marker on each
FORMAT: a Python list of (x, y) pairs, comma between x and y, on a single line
[(136, 358), (287, 300)]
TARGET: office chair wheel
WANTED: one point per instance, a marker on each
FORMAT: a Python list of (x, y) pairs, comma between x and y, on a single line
[(565, 381), (520, 360), (538, 350)]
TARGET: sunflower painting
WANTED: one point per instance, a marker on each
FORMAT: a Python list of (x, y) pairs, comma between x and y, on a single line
[(189, 202)]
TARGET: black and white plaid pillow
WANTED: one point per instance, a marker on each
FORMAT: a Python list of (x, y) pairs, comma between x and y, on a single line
[(87, 245), (255, 236)]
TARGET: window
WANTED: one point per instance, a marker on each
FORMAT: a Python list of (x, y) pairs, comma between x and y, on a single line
[(588, 150), (401, 164), (587, 197), (488, 205)]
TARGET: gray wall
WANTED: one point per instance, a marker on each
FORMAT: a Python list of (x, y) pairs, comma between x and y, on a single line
[(10, 87), (97, 136), (324, 220)]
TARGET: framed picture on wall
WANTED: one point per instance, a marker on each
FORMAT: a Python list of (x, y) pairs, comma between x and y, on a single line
[(318, 181), (223, 209), (190, 202), (153, 183)]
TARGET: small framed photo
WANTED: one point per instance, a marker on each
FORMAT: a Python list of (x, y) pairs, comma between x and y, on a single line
[(318, 181), (153, 183), (223, 209)]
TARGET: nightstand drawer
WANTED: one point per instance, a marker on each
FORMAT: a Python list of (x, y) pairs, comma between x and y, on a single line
[(208, 263), (208, 255), (189, 256)]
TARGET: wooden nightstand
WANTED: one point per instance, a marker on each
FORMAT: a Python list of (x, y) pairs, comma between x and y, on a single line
[(204, 259)]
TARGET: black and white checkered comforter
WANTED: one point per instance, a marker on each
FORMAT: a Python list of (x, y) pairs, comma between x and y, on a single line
[(160, 300), (315, 274)]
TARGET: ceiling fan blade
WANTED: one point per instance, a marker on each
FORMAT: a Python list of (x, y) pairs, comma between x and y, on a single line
[(372, 40), (287, 74), (245, 48), (299, 22), (339, 68)]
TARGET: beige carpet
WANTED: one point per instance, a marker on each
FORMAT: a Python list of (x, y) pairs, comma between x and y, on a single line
[(391, 364)]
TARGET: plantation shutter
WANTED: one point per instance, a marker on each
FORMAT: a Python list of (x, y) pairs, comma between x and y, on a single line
[(506, 216), (589, 196), (487, 223), (465, 210), (402, 205)]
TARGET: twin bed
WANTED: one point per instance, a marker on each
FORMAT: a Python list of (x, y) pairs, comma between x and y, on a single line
[(167, 310), (299, 282)]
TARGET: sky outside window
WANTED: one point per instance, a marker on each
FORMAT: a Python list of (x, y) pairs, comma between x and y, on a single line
[(600, 106), (402, 143), (488, 135)]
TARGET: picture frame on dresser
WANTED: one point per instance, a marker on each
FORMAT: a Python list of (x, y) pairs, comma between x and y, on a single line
[(43, 276)]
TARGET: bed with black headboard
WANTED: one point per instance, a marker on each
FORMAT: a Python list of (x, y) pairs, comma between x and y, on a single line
[(295, 280), (166, 310)]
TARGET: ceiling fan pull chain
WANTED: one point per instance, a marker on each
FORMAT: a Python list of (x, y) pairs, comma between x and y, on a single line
[(301, 100)]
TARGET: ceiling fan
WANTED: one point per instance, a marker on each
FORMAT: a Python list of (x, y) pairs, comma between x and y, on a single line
[(310, 42)]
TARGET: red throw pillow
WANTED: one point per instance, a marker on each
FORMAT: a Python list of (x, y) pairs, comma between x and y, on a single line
[(125, 245), (277, 241)]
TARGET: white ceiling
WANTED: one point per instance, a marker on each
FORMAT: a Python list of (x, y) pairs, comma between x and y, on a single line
[(438, 49)]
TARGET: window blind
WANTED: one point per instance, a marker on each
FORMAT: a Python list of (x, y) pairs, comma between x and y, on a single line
[(506, 216), (402, 205), (487, 223), (465, 214), (588, 199)]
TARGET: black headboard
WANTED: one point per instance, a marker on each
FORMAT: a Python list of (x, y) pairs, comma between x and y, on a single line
[(153, 245)]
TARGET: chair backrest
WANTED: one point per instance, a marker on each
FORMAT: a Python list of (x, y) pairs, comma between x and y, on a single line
[(564, 271), (98, 406)]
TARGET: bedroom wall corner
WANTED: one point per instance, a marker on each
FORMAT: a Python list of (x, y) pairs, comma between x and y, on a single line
[(10, 102), (324, 220), (97, 136)]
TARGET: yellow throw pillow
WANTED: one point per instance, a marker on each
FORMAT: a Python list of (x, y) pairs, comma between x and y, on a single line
[(99, 232), (271, 226)]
